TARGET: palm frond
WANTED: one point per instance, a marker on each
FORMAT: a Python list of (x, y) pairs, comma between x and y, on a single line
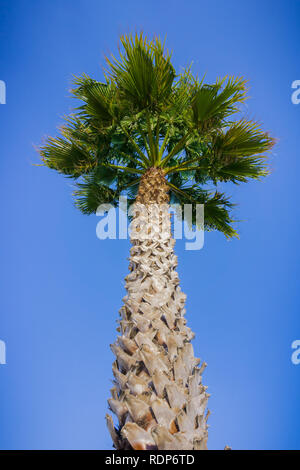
[(236, 153), (143, 74), (100, 102), (90, 193), (242, 139), (67, 157), (212, 104), (216, 207)]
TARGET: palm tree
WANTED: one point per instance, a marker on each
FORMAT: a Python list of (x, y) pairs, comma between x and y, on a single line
[(157, 136)]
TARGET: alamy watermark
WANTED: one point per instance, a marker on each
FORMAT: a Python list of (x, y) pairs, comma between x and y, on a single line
[(2, 352), (295, 97), (149, 222), (2, 343), (295, 358), (2, 92)]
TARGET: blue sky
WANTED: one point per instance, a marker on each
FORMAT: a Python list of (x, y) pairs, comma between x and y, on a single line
[(61, 287)]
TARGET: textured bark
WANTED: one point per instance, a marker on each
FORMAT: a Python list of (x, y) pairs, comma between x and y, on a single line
[(157, 396)]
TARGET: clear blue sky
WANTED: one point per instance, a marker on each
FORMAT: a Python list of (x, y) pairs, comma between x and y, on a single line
[(61, 287)]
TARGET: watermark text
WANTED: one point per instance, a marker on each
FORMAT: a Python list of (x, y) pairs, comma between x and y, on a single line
[(2, 92), (295, 97), (296, 354), (2, 352), (152, 222)]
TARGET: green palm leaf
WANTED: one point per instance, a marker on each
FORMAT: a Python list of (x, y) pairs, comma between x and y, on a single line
[(216, 207), (143, 74), (213, 103), (67, 157), (91, 193)]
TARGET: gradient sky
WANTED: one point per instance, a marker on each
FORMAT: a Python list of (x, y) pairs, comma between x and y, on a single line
[(61, 287)]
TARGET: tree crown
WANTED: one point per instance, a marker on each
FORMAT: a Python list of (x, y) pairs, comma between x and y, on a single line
[(144, 115)]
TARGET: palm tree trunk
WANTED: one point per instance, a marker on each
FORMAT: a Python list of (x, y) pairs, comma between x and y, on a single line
[(158, 396)]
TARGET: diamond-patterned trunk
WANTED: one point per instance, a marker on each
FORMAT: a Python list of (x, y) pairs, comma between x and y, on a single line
[(158, 396)]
